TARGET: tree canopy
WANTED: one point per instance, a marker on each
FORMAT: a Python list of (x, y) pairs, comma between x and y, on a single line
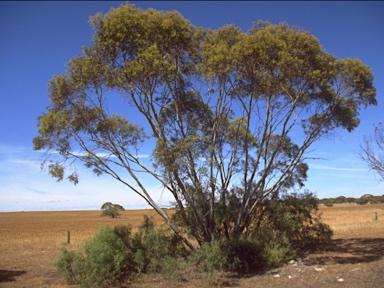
[(229, 114), (111, 210)]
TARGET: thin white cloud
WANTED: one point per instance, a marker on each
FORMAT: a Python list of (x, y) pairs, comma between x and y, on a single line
[(100, 154), (143, 156), (330, 168)]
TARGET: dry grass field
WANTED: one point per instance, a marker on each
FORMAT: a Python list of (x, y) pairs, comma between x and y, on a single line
[(30, 242)]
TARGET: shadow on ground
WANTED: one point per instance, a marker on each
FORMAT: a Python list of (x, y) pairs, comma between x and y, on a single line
[(9, 276), (349, 251)]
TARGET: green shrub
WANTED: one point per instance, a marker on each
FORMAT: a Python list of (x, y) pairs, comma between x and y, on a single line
[(276, 251), (362, 201), (296, 217), (107, 257), (279, 229), (210, 257), (328, 203), (155, 248), (147, 226), (341, 199), (244, 255), (105, 261), (351, 200), (124, 233), (263, 251), (71, 265), (141, 260)]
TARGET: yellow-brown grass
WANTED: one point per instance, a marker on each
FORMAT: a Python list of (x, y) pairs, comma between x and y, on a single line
[(30, 242), (354, 221), (31, 229)]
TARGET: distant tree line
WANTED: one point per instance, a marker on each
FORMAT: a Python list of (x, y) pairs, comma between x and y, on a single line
[(365, 199)]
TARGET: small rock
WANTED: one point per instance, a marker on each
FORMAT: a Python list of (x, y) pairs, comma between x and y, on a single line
[(277, 276), (319, 269), (289, 277), (292, 262), (340, 280)]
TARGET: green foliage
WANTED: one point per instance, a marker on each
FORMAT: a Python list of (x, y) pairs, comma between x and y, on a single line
[(296, 217), (272, 250), (103, 262), (329, 203), (276, 251), (111, 210), (125, 234), (106, 258), (115, 254), (365, 199), (156, 249), (362, 200), (341, 199), (71, 265), (147, 226), (280, 229), (210, 257), (244, 254), (263, 251)]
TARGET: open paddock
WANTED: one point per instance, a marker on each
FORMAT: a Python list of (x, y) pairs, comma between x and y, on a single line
[(30, 242)]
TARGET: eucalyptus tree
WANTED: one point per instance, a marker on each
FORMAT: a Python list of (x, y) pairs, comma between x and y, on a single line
[(232, 114), (111, 210)]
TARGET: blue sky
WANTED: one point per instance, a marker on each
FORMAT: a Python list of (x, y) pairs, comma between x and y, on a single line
[(39, 38)]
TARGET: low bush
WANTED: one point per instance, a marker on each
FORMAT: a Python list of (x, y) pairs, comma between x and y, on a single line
[(104, 261), (244, 254), (275, 250), (71, 265), (114, 255), (210, 257), (106, 258), (362, 201), (280, 229), (328, 203), (154, 249)]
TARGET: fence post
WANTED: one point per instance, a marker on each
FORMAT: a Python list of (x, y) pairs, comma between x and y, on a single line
[(376, 216), (69, 237)]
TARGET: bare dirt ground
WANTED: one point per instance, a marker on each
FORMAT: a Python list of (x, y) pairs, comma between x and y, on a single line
[(30, 242)]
